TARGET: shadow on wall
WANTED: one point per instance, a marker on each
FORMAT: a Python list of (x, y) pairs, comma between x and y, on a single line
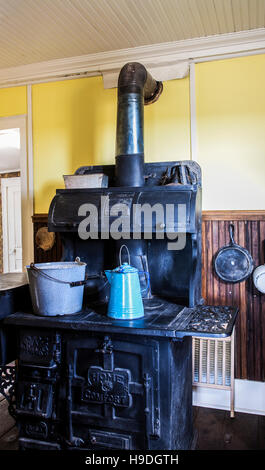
[(74, 124), (93, 115)]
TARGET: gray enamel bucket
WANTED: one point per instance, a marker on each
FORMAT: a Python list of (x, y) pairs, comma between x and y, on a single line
[(57, 288)]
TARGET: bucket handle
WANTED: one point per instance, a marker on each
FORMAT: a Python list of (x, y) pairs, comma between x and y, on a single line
[(71, 284)]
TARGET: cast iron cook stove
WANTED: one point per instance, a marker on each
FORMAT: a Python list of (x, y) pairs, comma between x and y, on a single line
[(85, 381)]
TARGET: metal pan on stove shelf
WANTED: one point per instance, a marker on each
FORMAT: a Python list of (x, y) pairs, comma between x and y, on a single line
[(233, 263)]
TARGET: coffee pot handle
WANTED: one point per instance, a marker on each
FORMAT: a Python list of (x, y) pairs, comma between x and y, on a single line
[(139, 272), (128, 253), (148, 280)]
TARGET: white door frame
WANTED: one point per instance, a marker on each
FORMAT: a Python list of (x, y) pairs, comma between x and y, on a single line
[(5, 183), (26, 173)]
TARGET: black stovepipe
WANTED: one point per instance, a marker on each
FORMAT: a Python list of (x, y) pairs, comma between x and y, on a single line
[(136, 87)]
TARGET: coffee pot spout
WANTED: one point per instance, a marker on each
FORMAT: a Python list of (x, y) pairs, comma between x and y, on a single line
[(108, 274)]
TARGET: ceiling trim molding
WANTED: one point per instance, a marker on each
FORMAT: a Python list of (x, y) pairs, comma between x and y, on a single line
[(166, 60)]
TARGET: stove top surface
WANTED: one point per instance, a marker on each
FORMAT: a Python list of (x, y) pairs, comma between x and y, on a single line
[(162, 318)]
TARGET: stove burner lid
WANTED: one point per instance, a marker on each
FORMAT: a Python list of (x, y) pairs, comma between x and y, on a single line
[(152, 304)]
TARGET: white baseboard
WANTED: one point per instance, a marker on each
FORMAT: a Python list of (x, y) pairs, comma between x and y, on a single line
[(249, 397)]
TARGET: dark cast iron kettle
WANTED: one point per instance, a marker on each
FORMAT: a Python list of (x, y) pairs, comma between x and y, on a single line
[(233, 263)]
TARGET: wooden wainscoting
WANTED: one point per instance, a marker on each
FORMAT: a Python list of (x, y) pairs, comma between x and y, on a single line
[(41, 256), (250, 325)]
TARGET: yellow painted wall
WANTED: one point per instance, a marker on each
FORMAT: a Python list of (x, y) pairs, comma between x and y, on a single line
[(13, 101), (230, 103), (74, 124)]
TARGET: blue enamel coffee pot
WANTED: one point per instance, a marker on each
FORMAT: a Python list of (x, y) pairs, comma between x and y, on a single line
[(125, 302)]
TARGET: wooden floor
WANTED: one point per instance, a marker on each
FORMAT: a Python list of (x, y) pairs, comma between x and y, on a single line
[(215, 430), (8, 431)]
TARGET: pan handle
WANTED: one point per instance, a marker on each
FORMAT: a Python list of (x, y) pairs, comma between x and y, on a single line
[(231, 233)]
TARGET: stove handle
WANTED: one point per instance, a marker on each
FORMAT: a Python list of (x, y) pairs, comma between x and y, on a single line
[(147, 408), (39, 366), (71, 439)]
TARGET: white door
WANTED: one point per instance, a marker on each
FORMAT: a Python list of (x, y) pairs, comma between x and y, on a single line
[(11, 220)]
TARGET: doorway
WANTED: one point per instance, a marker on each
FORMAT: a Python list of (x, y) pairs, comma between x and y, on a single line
[(16, 193), (11, 224)]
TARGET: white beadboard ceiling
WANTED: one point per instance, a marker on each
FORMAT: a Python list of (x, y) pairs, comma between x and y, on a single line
[(33, 31)]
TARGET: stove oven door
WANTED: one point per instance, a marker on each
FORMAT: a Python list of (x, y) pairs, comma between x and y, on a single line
[(113, 392)]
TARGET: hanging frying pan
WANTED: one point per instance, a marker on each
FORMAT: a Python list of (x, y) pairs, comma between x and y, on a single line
[(233, 263)]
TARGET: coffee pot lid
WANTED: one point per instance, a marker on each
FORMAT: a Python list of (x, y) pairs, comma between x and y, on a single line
[(125, 268)]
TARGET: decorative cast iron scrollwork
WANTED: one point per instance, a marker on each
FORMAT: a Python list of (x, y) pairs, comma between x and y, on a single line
[(36, 345), (7, 386), (106, 347)]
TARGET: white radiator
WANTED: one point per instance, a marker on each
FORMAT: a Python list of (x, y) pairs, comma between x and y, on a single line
[(213, 364)]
